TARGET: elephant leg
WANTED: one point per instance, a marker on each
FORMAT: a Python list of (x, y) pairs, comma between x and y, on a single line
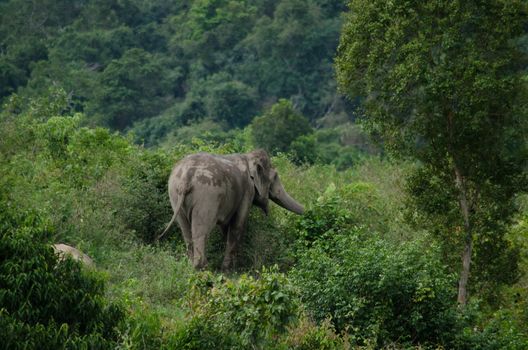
[(234, 235), (185, 226), (225, 230), (202, 224), (231, 248)]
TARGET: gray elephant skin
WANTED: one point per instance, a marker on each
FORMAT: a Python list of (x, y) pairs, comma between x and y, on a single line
[(206, 190), (64, 250)]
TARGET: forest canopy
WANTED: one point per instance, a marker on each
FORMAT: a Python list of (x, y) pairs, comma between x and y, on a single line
[(155, 66)]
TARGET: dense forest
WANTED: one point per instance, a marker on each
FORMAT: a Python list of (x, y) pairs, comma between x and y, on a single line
[(401, 126)]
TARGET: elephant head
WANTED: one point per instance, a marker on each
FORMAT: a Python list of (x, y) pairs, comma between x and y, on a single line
[(268, 185)]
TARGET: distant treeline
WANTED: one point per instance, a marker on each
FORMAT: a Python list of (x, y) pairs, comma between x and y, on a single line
[(158, 65)]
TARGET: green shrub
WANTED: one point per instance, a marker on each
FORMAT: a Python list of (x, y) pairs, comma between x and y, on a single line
[(304, 149), (277, 129), (266, 242), (230, 101), (343, 146), (250, 312), (309, 336), (142, 331), (502, 329), (344, 208), (20, 335), (201, 333), (82, 155), (376, 290), (45, 304), (145, 207)]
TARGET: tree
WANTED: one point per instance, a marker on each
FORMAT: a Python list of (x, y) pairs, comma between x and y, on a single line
[(442, 84), (297, 63), (230, 101), (279, 127), (133, 87)]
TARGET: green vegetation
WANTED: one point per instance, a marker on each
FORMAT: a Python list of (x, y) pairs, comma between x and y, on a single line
[(449, 91), (101, 98), (276, 130), (156, 67), (46, 304)]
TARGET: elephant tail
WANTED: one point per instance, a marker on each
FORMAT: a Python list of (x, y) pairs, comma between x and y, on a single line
[(176, 209), (168, 226)]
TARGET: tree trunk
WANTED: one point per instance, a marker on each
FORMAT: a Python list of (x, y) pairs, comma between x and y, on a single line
[(468, 240), (464, 275)]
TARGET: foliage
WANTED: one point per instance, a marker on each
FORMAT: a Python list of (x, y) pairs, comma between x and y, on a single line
[(438, 78), (308, 336), (144, 205), (44, 303), (248, 312), (344, 146), (338, 210), (200, 333), (90, 163), (230, 102), (123, 62), (132, 87), (376, 291), (278, 128), (502, 329)]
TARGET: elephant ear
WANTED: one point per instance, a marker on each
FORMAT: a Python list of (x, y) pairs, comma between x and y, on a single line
[(259, 169), (258, 176)]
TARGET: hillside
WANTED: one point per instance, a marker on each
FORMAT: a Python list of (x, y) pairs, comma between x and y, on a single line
[(153, 66), (414, 233)]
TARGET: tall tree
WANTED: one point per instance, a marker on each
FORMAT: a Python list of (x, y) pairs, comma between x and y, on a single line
[(442, 83), (279, 127)]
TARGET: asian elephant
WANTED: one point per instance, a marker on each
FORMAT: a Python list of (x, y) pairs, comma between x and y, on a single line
[(64, 250), (206, 190)]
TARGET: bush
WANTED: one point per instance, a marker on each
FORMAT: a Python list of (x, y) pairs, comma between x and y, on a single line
[(201, 333), (145, 206), (344, 208), (342, 146), (45, 304), (304, 149), (251, 312), (277, 129), (308, 336), (503, 329), (83, 155), (230, 102), (377, 291), (266, 241)]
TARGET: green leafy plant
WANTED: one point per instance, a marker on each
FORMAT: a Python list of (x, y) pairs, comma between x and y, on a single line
[(278, 128), (377, 291), (45, 303), (250, 311)]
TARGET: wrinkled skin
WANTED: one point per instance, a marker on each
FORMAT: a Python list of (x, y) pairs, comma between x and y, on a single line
[(206, 190)]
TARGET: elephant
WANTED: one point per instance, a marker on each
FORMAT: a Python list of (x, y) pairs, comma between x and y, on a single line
[(64, 250), (206, 190)]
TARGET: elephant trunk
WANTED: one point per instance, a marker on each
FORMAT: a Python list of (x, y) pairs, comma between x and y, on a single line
[(282, 198)]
